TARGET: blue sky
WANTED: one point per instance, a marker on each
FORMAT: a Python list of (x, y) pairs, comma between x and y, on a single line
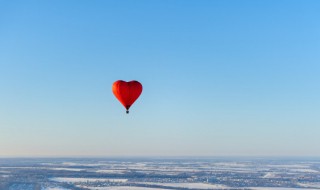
[(221, 78)]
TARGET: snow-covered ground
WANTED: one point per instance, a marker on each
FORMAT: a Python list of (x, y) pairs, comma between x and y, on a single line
[(54, 188), (46, 168), (288, 166), (67, 169), (310, 185), (230, 164), (304, 170), (83, 164), (111, 171), (191, 185), (76, 180), (270, 175), (121, 188), (277, 188), (163, 174)]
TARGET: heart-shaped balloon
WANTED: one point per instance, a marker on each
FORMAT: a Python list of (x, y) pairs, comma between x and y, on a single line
[(127, 92)]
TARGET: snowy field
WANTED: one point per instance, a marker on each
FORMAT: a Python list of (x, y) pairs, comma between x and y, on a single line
[(159, 174), (77, 180), (191, 185)]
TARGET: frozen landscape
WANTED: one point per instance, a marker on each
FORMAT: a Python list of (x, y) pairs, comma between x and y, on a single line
[(159, 174)]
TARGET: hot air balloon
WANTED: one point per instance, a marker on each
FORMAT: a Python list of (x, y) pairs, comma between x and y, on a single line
[(127, 92)]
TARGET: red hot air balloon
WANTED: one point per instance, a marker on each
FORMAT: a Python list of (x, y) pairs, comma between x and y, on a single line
[(127, 92)]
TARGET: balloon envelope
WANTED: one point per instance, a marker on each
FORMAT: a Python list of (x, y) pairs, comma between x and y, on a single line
[(127, 92)]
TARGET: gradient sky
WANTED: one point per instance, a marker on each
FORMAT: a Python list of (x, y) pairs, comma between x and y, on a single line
[(221, 78)]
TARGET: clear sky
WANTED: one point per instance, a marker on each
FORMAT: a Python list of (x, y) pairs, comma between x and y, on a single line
[(220, 78)]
